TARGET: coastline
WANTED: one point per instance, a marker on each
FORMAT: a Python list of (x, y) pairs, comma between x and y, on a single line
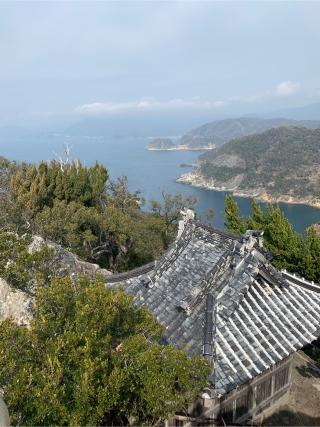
[(195, 180), (180, 148)]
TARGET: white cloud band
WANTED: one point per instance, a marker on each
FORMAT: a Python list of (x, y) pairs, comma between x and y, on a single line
[(147, 104)]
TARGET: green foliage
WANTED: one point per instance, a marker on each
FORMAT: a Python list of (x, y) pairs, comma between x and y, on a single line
[(282, 161), (286, 245), (257, 220), (77, 207), (121, 198), (170, 211), (234, 222), (7, 170), (290, 250), (19, 267), (90, 357), (40, 185), (13, 217), (222, 173), (312, 255)]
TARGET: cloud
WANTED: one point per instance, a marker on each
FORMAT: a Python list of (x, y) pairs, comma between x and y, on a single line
[(147, 104), (287, 88)]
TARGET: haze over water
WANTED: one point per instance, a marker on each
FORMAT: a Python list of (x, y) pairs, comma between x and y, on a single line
[(151, 172)]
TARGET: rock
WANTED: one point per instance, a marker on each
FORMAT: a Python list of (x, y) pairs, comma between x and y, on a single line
[(19, 305), (36, 244), (65, 262), (15, 304), (317, 227), (4, 414)]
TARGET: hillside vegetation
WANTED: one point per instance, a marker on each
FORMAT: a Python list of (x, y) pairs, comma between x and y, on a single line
[(81, 209), (91, 357), (279, 164), (221, 131), (82, 353)]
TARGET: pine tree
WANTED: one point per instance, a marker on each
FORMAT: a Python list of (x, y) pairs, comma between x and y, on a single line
[(312, 255), (234, 222), (257, 220), (286, 245)]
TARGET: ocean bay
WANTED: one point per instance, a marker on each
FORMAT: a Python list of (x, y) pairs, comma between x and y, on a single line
[(151, 172)]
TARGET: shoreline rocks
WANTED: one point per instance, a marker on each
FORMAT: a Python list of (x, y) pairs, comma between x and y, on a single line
[(196, 180)]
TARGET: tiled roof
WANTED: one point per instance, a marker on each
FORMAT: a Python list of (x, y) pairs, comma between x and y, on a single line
[(218, 296)]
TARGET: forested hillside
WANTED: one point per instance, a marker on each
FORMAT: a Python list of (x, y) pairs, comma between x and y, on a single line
[(279, 164), (221, 131)]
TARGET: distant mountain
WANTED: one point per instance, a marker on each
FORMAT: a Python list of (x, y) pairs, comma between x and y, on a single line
[(139, 124), (307, 112), (221, 131), (280, 164)]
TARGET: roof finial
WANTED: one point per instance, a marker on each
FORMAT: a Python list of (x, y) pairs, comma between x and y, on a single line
[(187, 215)]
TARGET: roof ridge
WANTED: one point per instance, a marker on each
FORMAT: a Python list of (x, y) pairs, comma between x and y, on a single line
[(146, 268), (172, 254), (212, 229), (300, 281)]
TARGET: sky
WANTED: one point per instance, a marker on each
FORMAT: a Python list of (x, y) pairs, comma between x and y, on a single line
[(72, 60)]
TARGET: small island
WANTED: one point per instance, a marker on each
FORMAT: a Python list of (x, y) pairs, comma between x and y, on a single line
[(161, 144), (166, 144)]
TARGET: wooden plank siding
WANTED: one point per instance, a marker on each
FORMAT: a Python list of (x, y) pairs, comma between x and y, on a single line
[(245, 402)]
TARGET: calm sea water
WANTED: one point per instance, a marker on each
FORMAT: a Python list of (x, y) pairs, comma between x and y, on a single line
[(149, 171)]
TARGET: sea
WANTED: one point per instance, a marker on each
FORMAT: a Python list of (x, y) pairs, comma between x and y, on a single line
[(151, 172)]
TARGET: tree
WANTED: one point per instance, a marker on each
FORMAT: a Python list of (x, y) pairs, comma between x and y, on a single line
[(312, 255), (90, 357), (257, 219), (13, 217), (286, 245), (170, 210), (39, 185), (101, 221), (121, 197), (290, 250), (234, 221)]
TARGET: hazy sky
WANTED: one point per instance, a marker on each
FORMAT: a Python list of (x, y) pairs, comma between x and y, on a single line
[(86, 58)]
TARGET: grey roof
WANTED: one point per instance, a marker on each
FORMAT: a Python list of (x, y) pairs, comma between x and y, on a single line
[(218, 296)]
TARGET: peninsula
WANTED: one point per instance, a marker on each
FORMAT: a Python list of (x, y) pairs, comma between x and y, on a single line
[(278, 165)]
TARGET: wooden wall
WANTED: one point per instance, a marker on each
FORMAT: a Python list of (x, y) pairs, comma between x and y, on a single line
[(245, 402)]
